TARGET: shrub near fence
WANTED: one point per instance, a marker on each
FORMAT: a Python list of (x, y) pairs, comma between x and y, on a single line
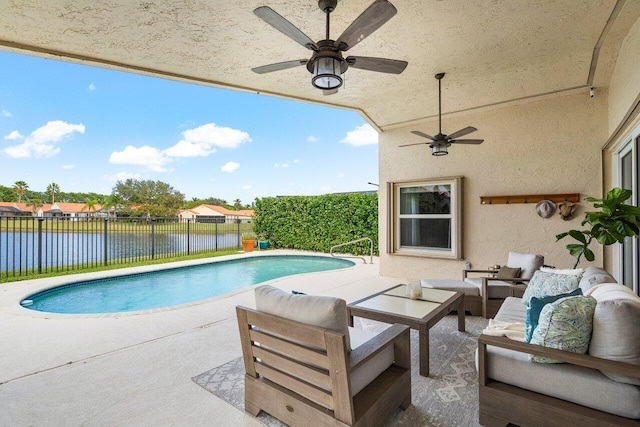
[(316, 223), (32, 246)]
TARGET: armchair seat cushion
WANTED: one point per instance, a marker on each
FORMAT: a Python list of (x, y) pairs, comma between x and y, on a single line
[(497, 288), (469, 289), (370, 370)]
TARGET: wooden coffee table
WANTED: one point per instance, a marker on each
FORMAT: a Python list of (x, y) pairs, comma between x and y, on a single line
[(392, 306)]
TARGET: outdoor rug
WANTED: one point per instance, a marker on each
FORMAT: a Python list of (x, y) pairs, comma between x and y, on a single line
[(448, 397)]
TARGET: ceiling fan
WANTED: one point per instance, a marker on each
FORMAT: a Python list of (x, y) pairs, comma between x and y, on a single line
[(441, 142), (327, 64)]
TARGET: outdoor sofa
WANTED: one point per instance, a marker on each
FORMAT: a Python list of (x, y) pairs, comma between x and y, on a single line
[(585, 390)]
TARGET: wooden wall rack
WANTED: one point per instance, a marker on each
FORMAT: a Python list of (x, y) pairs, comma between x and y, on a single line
[(529, 198)]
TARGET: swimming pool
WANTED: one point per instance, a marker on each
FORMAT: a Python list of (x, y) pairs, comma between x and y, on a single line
[(165, 288)]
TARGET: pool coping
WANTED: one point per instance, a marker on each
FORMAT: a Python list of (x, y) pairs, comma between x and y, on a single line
[(18, 291)]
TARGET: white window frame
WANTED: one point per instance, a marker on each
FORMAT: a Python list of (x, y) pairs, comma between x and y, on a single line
[(393, 229), (630, 146)]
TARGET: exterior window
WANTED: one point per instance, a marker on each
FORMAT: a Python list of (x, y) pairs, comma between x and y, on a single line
[(425, 218)]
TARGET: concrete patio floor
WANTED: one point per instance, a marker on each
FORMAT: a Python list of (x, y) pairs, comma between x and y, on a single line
[(135, 369)]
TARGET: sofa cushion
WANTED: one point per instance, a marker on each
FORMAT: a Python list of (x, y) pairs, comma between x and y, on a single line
[(577, 384), (454, 285), (372, 368), (593, 276), (616, 335), (544, 285), (535, 307), (321, 311), (565, 324), (528, 263)]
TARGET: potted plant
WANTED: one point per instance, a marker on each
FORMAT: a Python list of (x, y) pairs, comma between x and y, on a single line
[(263, 242), (248, 241), (612, 223)]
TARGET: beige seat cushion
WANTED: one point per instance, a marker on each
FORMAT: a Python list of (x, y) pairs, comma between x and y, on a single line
[(496, 288), (454, 285), (370, 370)]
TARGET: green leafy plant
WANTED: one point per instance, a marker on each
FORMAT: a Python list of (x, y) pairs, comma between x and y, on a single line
[(612, 223), (248, 236)]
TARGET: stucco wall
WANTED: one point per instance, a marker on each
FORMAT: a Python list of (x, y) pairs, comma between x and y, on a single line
[(625, 80), (547, 146)]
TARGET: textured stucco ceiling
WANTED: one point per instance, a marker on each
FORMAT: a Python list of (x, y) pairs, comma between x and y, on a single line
[(492, 51)]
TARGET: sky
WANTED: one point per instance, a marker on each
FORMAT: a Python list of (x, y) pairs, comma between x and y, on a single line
[(85, 128)]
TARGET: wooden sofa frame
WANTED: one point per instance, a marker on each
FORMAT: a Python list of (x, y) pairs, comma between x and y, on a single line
[(502, 404), (482, 304), (300, 374)]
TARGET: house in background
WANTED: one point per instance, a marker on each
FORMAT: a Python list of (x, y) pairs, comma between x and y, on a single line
[(72, 211), (213, 213)]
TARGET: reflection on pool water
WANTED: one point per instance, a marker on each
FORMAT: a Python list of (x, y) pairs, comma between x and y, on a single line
[(175, 286)]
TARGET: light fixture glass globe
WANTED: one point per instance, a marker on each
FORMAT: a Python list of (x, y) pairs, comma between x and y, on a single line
[(439, 150), (326, 73)]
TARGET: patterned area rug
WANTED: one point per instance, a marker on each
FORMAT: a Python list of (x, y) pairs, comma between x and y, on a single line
[(448, 397)]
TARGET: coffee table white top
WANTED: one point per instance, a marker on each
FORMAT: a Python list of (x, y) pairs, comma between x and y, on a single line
[(394, 301)]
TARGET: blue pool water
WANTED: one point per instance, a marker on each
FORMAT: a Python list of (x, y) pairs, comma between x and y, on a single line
[(175, 286)]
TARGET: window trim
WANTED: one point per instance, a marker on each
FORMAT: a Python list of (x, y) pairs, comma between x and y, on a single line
[(393, 218)]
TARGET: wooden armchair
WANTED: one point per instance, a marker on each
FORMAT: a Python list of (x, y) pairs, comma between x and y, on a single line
[(493, 289), (503, 404), (302, 374)]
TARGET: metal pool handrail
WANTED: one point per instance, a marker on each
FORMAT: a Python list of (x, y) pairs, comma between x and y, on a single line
[(352, 256)]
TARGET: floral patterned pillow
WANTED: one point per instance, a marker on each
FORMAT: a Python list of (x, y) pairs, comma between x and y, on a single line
[(565, 325), (544, 285)]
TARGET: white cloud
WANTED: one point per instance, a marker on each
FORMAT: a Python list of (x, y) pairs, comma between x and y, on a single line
[(296, 161), (230, 167), (40, 143), (361, 135), (325, 188), (150, 157), (341, 175), (201, 141), (246, 187), (122, 176), (285, 165), (68, 166), (276, 165), (13, 136), (6, 113), (312, 139), (92, 87)]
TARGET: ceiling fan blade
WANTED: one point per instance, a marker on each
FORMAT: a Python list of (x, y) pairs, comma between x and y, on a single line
[(380, 65), (368, 22), (424, 135), (326, 92), (279, 66), (409, 145), (272, 18), (467, 141), (462, 132)]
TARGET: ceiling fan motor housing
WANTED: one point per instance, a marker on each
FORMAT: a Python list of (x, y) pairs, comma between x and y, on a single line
[(327, 6)]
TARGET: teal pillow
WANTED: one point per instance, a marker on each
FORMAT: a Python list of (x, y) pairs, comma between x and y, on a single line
[(535, 307), (544, 285), (565, 325)]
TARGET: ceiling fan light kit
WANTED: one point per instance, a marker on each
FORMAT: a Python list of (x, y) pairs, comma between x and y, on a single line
[(440, 143), (327, 64)]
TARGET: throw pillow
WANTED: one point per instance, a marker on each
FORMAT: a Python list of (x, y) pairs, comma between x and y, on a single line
[(567, 271), (535, 307), (565, 325), (544, 285), (508, 272)]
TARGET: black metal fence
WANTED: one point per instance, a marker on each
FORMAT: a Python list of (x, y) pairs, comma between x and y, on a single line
[(31, 246)]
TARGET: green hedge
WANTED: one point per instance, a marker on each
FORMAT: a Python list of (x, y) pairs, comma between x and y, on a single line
[(316, 223)]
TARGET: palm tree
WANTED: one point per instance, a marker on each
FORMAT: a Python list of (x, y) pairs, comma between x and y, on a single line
[(89, 206), (21, 188), (52, 189), (237, 204), (112, 204), (35, 204)]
